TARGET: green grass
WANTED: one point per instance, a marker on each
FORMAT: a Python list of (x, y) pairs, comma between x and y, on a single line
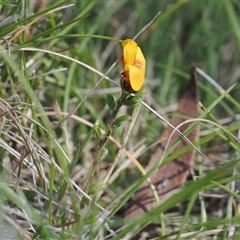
[(52, 101)]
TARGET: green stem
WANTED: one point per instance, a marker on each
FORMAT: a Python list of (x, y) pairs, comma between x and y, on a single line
[(104, 140)]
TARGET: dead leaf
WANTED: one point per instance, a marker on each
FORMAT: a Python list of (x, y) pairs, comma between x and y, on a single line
[(173, 174)]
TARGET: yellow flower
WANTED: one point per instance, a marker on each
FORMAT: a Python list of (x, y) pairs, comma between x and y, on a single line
[(134, 65)]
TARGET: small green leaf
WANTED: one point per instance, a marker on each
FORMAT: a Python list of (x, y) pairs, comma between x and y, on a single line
[(84, 202), (109, 132), (96, 187), (98, 133), (116, 125), (122, 118), (110, 102), (103, 155), (142, 90), (90, 219), (132, 101)]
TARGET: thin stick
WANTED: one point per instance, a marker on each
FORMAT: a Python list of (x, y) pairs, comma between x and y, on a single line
[(146, 26)]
